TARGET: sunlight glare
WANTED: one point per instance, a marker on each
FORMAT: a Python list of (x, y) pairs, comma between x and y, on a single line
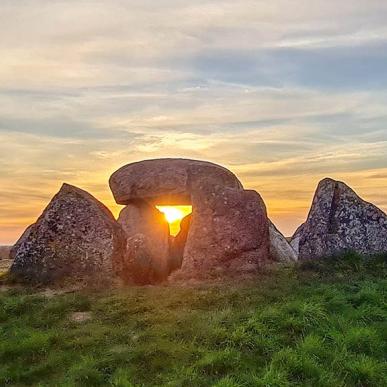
[(173, 215)]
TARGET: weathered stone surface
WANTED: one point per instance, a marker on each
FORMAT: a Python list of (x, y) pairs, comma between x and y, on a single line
[(20, 241), (280, 249), (177, 243), (76, 236), (148, 233), (340, 220), (228, 233), (228, 230), (167, 181), (295, 239), (141, 265)]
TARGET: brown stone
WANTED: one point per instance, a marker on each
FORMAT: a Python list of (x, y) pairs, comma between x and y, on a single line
[(147, 233), (142, 266), (167, 181), (229, 232)]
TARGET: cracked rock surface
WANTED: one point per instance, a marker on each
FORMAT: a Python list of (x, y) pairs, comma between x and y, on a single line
[(340, 220)]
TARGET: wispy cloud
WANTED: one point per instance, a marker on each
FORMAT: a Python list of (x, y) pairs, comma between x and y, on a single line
[(282, 97)]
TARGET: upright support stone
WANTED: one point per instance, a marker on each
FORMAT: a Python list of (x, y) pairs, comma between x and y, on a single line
[(229, 233), (147, 232)]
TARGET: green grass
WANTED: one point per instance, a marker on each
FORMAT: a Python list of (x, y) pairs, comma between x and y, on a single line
[(322, 323)]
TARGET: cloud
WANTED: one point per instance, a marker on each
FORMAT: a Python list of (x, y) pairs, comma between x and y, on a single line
[(282, 98)]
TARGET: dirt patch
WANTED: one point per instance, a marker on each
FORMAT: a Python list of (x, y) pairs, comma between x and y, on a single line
[(80, 316)]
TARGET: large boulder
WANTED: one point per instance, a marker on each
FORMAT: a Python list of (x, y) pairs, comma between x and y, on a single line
[(76, 236), (228, 234), (167, 181), (340, 220), (280, 249), (147, 232)]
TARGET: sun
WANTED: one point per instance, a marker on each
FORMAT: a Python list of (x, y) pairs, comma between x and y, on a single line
[(173, 215)]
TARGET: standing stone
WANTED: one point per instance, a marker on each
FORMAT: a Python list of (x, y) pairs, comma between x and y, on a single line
[(76, 236), (141, 265), (340, 220), (280, 249), (147, 232), (229, 232)]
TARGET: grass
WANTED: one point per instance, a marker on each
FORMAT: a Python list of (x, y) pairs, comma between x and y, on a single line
[(322, 323)]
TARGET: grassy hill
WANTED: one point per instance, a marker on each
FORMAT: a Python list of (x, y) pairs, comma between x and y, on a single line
[(323, 323)]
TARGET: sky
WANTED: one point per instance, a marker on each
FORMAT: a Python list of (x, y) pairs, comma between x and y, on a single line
[(283, 93)]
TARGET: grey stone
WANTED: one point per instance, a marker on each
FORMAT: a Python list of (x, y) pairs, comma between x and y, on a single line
[(76, 236), (295, 239), (20, 241), (340, 220), (280, 249)]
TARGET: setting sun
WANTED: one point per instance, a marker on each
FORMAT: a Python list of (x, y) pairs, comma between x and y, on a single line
[(174, 215)]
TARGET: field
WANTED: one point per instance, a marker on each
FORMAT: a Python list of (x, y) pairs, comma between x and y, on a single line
[(319, 324)]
